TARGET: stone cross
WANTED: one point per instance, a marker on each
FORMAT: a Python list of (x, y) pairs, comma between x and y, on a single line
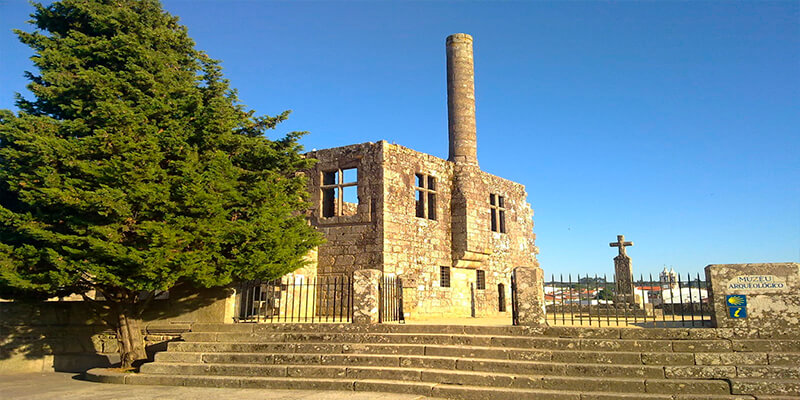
[(621, 243), (623, 270)]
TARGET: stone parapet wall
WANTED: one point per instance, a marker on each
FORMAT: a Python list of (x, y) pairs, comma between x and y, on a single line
[(68, 336)]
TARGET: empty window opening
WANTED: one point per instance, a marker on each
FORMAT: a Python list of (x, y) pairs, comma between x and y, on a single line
[(480, 279), (497, 211), (444, 276), (425, 196), (340, 192), (501, 297)]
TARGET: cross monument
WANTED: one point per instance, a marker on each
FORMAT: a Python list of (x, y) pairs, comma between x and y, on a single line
[(623, 269)]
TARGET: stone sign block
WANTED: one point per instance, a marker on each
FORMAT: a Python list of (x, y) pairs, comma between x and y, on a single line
[(764, 296)]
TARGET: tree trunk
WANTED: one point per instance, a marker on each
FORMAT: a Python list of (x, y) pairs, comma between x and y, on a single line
[(129, 334)]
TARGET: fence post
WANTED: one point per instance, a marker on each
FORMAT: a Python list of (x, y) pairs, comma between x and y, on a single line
[(366, 296), (530, 295)]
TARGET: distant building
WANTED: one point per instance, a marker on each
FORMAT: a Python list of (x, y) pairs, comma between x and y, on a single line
[(668, 278)]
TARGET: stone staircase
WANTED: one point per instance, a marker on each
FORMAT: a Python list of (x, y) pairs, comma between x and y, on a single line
[(478, 362)]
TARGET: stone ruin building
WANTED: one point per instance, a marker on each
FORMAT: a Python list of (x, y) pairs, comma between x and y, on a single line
[(451, 232)]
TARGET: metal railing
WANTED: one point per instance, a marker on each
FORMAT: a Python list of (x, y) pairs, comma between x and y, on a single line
[(296, 299), (595, 301), (390, 301), (514, 299)]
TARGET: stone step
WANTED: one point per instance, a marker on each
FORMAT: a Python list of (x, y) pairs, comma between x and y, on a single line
[(437, 390), (478, 362), (567, 356), (548, 343), (378, 328), (549, 331), (429, 350), (769, 372), (537, 342), (670, 371), (418, 388), (764, 386), (434, 362), (472, 378), (391, 338)]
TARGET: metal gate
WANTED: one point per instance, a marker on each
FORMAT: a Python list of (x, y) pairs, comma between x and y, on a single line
[(514, 300), (390, 300), (595, 301), (296, 299)]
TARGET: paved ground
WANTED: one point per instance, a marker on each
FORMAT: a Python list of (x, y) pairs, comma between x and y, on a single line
[(66, 386)]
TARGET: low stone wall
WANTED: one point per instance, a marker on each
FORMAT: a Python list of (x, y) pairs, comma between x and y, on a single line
[(68, 336), (766, 295)]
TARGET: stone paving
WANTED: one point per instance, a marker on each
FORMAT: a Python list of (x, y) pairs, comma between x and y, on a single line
[(53, 386)]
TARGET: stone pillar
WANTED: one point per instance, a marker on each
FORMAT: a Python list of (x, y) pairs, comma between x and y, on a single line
[(461, 99), (530, 295), (765, 296), (366, 296), (623, 269)]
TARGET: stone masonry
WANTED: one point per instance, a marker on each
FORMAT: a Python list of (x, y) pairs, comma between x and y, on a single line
[(449, 230), (623, 272), (769, 293)]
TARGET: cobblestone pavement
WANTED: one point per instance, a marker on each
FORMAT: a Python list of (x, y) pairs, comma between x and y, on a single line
[(68, 386)]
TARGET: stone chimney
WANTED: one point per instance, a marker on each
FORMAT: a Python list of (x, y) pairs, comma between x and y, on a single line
[(469, 219), (461, 100)]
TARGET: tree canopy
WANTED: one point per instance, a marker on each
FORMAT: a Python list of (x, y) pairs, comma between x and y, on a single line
[(135, 166)]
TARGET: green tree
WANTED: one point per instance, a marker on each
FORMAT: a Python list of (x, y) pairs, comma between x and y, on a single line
[(135, 168), (605, 294)]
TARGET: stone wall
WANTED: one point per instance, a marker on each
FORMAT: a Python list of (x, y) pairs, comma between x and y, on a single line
[(415, 248), (771, 295), (385, 233), (353, 242), (68, 336), (514, 248)]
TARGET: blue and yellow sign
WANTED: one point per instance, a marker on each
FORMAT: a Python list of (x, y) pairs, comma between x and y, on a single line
[(736, 300), (737, 312), (737, 305)]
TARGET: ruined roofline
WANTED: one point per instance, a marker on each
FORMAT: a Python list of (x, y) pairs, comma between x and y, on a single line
[(385, 143), (341, 147), (454, 163)]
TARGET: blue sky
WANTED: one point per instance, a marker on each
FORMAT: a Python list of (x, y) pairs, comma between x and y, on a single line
[(676, 124)]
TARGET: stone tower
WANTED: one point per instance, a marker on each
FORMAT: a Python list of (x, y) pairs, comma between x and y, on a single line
[(470, 196)]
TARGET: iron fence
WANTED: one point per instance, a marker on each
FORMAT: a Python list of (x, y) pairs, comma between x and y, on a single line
[(595, 301), (296, 299), (514, 305), (390, 302)]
